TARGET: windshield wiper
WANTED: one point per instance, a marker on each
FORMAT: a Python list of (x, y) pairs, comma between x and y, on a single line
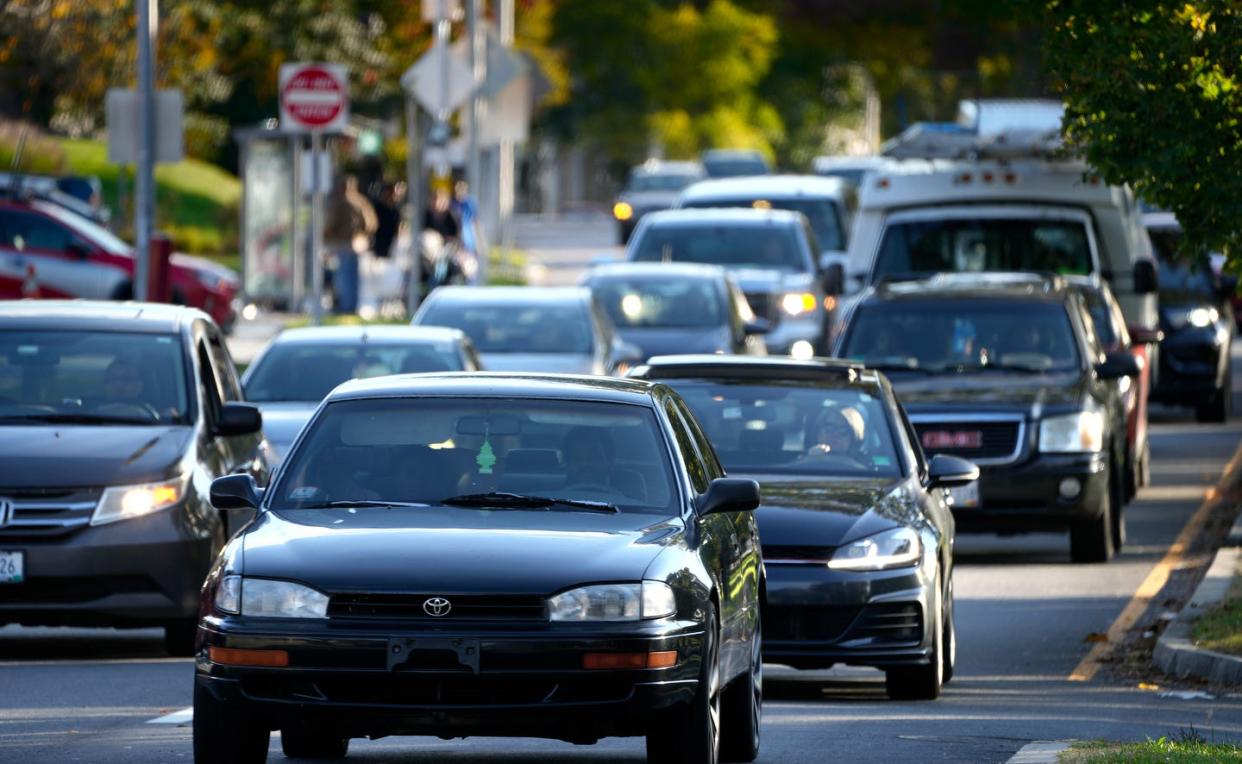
[(55, 418), (361, 504), (504, 500)]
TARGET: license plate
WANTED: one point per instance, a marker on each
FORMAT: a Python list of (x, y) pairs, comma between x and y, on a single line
[(964, 497), (12, 569)]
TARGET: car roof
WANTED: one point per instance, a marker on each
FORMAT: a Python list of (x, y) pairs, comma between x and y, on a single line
[(97, 315), (736, 216), (510, 294), (656, 270), (766, 186), (765, 368), (1000, 285), (349, 335), (848, 162), (501, 385), (733, 154), (663, 167)]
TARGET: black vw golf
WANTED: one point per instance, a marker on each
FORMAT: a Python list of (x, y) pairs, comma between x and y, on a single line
[(857, 532), (487, 554)]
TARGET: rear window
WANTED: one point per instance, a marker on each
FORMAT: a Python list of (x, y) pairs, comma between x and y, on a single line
[(980, 245), (762, 246), (666, 303), (301, 372), (659, 182)]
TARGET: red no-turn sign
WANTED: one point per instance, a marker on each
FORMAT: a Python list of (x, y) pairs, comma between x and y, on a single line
[(314, 97)]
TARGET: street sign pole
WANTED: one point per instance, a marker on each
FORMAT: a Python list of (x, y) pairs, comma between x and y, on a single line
[(316, 226), (478, 67), (414, 198), (144, 181)]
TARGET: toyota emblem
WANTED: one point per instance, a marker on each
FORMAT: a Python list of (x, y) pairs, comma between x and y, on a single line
[(437, 607)]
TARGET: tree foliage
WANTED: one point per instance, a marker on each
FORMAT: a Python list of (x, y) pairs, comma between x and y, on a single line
[(1153, 94)]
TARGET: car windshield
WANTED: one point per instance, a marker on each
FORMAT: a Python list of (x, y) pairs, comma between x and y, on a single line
[(660, 182), (86, 377), (520, 327), (1181, 280), (963, 335), (991, 244), (764, 246), (666, 302), (850, 175), (427, 450), (305, 372), (823, 214), (791, 428), (730, 168)]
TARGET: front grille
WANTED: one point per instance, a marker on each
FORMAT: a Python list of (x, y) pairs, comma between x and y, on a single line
[(47, 512), (814, 623), (996, 440), (764, 306), (892, 622), (790, 553), (472, 607)]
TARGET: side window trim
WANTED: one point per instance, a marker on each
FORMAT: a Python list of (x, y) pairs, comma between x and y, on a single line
[(685, 446)]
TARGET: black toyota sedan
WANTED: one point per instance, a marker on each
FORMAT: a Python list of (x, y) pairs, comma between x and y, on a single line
[(856, 527), (487, 554), (1004, 369)]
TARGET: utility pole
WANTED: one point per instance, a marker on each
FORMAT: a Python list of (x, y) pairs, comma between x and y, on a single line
[(478, 68), (144, 181), (506, 173), (414, 198)]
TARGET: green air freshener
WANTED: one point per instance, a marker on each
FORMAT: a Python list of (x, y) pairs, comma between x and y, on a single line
[(486, 458)]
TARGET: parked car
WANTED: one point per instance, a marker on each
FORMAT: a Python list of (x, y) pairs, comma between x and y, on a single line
[(1197, 318), (47, 251), (856, 528), (771, 253), (730, 163), (299, 367), (1003, 369), (114, 419), (539, 329), (652, 185), (663, 308), (487, 554)]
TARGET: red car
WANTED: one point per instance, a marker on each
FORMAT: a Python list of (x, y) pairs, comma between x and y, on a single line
[(46, 251)]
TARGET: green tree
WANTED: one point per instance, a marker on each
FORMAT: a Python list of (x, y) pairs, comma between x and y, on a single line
[(1153, 98)]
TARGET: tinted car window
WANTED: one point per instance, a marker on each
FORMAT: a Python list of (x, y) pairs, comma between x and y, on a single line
[(946, 334), (964, 246), (659, 182), (666, 302), (1101, 318), (793, 429), (138, 377), (304, 372), (517, 327), (1180, 280), (823, 214), (732, 246), (428, 449), (26, 230)]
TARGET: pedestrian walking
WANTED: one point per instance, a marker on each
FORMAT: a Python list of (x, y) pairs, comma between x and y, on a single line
[(348, 228)]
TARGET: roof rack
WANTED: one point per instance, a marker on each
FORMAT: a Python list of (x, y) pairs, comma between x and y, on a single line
[(749, 367)]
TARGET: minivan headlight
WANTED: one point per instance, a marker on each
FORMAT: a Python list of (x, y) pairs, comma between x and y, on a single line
[(280, 599), (1072, 433), (896, 548), (613, 602), (123, 502)]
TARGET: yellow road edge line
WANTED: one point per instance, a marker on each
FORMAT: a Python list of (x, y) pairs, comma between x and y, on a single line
[(1089, 666)]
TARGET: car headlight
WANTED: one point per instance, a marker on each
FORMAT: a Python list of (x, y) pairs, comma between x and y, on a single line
[(124, 502), (1072, 433), (896, 548), (798, 303), (1199, 317), (280, 599), (228, 595), (622, 211), (613, 602)]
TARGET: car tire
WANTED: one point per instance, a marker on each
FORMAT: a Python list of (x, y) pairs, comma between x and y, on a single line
[(1216, 408), (179, 637), (691, 733), (225, 732), (741, 709), (300, 742), (122, 292), (950, 636), (1091, 539), (921, 682)]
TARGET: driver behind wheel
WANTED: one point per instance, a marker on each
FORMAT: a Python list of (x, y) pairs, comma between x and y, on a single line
[(837, 432), (123, 383)]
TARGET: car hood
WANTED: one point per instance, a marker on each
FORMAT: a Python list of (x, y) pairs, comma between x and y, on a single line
[(988, 392), (284, 420), (647, 201), (80, 455), (446, 550), (765, 280), (553, 363), (797, 511), (668, 341)]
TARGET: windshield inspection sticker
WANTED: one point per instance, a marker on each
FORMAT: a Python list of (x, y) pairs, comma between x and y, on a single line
[(304, 492)]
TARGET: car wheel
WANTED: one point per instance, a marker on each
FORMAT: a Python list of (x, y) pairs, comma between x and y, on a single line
[(299, 742), (1119, 516), (224, 732), (741, 712), (950, 636), (122, 292), (1216, 408), (691, 734), (179, 637), (921, 682), (1091, 539)]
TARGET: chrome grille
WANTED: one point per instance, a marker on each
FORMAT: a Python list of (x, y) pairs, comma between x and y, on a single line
[(47, 512), (463, 607)]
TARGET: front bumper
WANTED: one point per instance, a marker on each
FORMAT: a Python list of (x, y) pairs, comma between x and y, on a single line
[(1192, 364), (527, 683), (1026, 496)]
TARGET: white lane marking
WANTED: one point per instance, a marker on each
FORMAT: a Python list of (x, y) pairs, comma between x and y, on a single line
[(184, 716)]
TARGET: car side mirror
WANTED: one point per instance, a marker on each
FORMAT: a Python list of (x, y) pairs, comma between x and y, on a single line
[(834, 279), (729, 495), (945, 471), (1142, 335), (1145, 279), (1119, 364), (756, 326), (235, 492), (239, 419)]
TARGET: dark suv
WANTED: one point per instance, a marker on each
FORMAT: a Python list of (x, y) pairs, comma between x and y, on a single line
[(114, 420), (1006, 370)]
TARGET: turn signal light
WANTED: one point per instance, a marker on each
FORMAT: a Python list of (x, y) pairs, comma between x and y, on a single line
[(231, 656), (652, 660), (622, 211)]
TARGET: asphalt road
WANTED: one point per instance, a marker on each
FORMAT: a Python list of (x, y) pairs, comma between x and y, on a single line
[(1025, 617)]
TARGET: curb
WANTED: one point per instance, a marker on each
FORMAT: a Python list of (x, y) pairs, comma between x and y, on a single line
[(1039, 752)]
